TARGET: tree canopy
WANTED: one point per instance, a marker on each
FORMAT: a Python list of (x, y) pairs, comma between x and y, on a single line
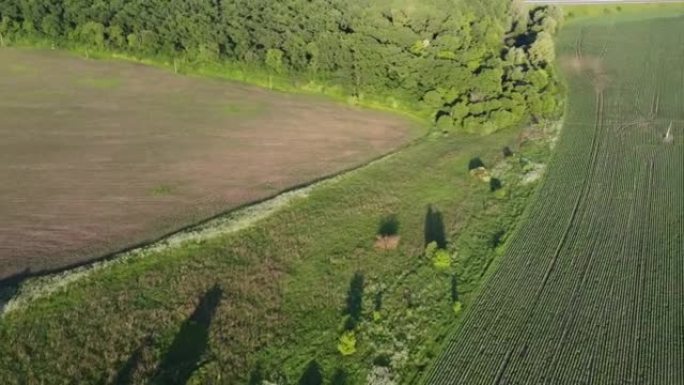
[(476, 65)]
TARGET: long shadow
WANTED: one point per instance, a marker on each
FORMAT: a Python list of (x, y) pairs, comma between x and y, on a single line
[(475, 163), (10, 285), (340, 377), (127, 372), (354, 301), (434, 228), (313, 374), (185, 355)]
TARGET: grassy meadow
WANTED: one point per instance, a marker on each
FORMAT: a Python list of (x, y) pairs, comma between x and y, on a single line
[(269, 302)]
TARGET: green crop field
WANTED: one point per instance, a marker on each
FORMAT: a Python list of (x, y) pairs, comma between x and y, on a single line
[(494, 249), (591, 290)]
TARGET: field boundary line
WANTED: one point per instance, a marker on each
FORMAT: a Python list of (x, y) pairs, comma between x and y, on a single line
[(17, 292)]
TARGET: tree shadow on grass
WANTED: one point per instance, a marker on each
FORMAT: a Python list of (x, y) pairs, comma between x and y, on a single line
[(388, 226), (454, 288), (313, 374), (186, 352), (434, 228), (132, 368), (9, 286), (340, 377), (354, 307), (495, 184), (475, 163)]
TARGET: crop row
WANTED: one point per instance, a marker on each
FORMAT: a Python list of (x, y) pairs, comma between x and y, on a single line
[(591, 290)]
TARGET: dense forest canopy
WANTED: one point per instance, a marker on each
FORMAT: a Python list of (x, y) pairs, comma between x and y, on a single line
[(473, 65)]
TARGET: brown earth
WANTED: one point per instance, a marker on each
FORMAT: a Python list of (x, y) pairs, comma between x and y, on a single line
[(96, 156)]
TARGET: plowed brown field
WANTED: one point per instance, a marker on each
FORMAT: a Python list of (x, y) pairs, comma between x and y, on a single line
[(96, 156)]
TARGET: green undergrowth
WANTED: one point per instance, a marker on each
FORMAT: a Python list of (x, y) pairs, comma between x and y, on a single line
[(337, 286)]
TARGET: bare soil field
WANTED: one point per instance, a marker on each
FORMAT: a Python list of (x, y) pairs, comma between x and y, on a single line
[(96, 156)]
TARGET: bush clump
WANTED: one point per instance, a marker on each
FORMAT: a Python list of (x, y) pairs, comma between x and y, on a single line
[(347, 343)]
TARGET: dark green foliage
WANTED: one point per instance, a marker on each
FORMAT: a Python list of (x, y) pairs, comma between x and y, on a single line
[(454, 288), (468, 64), (388, 226), (256, 376), (495, 184), (475, 163), (377, 301), (339, 377), (382, 359)]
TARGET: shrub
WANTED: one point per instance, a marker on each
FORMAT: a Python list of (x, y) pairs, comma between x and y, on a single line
[(347, 343), (495, 184), (442, 259), (430, 250), (388, 226), (457, 306), (313, 374)]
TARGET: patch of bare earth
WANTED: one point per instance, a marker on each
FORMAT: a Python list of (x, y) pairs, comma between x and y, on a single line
[(591, 66), (386, 242), (98, 156)]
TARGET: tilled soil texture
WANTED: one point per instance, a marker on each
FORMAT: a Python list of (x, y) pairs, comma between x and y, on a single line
[(96, 156)]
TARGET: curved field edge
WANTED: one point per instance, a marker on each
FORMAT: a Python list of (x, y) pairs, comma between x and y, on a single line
[(14, 297), (285, 279), (160, 152), (236, 72), (505, 338)]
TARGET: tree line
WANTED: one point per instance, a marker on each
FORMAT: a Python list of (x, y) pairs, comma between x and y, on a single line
[(476, 65)]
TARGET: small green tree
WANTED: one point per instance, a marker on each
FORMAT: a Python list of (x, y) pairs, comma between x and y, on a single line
[(274, 63), (115, 36), (50, 26), (347, 343), (441, 259), (149, 41), (457, 307), (133, 41)]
